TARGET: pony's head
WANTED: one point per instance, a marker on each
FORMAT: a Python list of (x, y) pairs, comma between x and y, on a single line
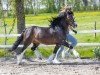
[(59, 22), (69, 16)]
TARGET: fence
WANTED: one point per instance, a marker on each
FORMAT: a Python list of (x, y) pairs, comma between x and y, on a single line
[(79, 44)]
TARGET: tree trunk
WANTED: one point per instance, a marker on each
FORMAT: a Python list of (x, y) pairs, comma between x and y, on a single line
[(0, 9), (34, 7), (58, 5), (19, 5), (96, 4), (85, 2)]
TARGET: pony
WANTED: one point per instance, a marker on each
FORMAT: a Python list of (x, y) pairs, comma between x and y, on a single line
[(55, 34)]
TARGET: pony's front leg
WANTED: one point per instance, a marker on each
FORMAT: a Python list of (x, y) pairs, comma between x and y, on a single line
[(65, 53), (51, 57), (67, 45), (74, 52), (71, 49)]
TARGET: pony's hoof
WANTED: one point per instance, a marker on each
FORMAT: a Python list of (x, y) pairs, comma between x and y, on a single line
[(55, 61), (19, 59), (48, 61), (40, 58), (19, 63)]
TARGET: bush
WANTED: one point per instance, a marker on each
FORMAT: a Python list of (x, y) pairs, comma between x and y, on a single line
[(97, 52)]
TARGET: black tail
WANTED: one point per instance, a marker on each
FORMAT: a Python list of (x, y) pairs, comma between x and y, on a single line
[(17, 42)]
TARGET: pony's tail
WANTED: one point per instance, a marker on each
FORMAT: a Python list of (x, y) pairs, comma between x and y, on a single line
[(17, 42)]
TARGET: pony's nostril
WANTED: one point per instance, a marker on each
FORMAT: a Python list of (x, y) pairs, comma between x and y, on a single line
[(74, 24)]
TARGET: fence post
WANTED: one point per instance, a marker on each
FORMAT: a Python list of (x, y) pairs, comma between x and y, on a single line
[(5, 33), (95, 28)]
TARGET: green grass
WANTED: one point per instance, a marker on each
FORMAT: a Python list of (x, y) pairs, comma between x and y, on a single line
[(45, 51), (4, 53), (86, 51), (85, 20)]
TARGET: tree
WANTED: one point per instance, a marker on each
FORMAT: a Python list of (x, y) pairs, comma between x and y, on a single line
[(19, 5), (50, 5), (85, 2), (96, 4), (0, 9), (77, 5)]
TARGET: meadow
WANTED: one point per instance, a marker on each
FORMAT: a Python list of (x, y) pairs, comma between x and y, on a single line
[(85, 20)]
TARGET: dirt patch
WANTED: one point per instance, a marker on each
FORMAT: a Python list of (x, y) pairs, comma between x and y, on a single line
[(68, 67)]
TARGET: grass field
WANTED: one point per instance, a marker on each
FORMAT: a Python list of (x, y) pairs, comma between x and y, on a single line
[(85, 20)]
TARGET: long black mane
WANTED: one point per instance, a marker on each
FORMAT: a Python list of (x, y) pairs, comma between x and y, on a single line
[(56, 22)]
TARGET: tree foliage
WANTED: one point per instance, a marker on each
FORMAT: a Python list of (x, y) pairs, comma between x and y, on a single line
[(37, 6)]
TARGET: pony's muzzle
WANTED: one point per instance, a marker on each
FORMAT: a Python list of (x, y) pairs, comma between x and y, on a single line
[(75, 25)]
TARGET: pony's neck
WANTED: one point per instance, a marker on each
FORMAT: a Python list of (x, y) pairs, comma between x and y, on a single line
[(60, 29)]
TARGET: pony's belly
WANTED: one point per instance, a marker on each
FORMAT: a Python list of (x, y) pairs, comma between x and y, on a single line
[(47, 41)]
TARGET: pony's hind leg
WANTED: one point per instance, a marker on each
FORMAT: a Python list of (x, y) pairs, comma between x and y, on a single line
[(20, 56), (21, 52), (36, 51)]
